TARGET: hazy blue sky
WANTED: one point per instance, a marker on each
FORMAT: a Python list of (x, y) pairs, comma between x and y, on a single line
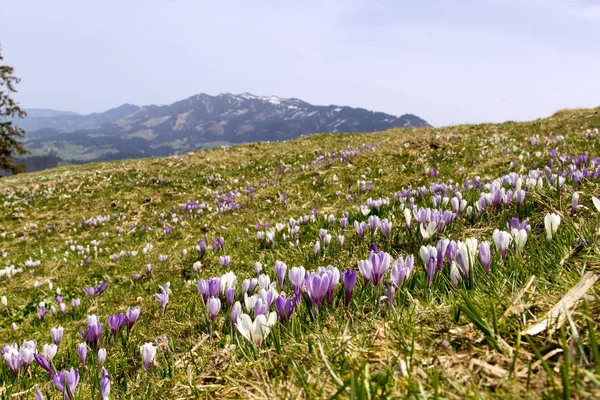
[(448, 61)]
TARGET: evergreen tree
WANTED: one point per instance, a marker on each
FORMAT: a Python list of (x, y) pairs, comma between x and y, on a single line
[(10, 134)]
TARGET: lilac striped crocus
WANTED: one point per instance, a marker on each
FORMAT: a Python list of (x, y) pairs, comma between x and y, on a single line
[(132, 315), (44, 363), (116, 322), (349, 281), (284, 307), (402, 269), (236, 311), (224, 260), (66, 382), (317, 287), (429, 257), (333, 282), (213, 306), (94, 330), (485, 256), (82, 352), (280, 269), (104, 384), (502, 240), (163, 296), (360, 229), (57, 334), (442, 246), (386, 228), (296, 277), (375, 266)]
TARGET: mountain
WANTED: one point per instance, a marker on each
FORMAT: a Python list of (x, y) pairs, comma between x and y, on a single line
[(201, 121)]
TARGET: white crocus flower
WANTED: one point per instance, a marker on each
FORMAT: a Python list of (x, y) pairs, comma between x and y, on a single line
[(256, 331), (551, 222)]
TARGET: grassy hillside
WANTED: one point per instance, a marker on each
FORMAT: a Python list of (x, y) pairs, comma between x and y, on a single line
[(457, 331)]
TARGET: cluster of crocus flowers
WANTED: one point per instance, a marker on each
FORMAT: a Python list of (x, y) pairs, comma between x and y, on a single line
[(66, 382), (95, 291)]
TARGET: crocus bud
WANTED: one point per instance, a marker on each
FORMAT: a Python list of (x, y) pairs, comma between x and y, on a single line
[(101, 356)]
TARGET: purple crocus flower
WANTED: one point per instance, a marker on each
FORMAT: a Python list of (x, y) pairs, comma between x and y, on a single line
[(284, 307), (203, 289), (94, 330), (386, 228), (375, 266), (280, 269), (101, 288), (104, 384), (451, 251), (261, 307), (57, 334), (317, 287), (116, 322), (132, 315), (224, 260), (162, 258), (334, 281), (90, 291), (349, 281), (44, 363), (442, 246), (213, 306), (402, 269), (502, 239), (485, 256), (429, 257), (75, 303), (201, 248), (66, 382), (360, 229), (12, 357), (82, 352), (41, 311), (316, 248), (236, 311), (296, 277), (39, 395), (230, 295)]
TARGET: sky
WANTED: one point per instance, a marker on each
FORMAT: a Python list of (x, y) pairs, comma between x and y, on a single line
[(447, 61)]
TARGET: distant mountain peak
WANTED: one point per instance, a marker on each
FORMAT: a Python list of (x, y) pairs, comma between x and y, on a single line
[(199, 121)]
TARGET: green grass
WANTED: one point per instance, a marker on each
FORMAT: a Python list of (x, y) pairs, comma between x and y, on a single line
[(437, 342)]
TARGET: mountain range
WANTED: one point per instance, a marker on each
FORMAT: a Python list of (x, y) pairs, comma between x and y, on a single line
[(201, 121)]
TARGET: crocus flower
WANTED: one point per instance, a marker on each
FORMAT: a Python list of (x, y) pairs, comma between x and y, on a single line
[(407, 217), (49, 351), (401, 270), (442, 246), (56, 334), (296, 277), (257, 268), (224, 260), (82, 352), (429, 257), (596, 202), (41, 311), (132, 315), (551, 222), (101, 356), (284, 307), (349, 281), (104, 384), (163, 297), (94, 330), (148, 352), (12, 358), (485, 256), (455, 276), (502, 240), (574, 203), (429, 231), (341, 239), (280, 269), (213, 306), (375, 266), (230, 295), (333, 282), (360, 229), (38, 394), (256, 331), (116, 322), (316, 248), (317, 287), (44, 363), (66, 382), (236, 311), (75, 303), (520, 237)]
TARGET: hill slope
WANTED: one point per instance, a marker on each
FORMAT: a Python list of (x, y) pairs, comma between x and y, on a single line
[(201, 121), (453, 323)]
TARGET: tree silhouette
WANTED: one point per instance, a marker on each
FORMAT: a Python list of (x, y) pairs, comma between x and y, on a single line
[(10, 134)]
